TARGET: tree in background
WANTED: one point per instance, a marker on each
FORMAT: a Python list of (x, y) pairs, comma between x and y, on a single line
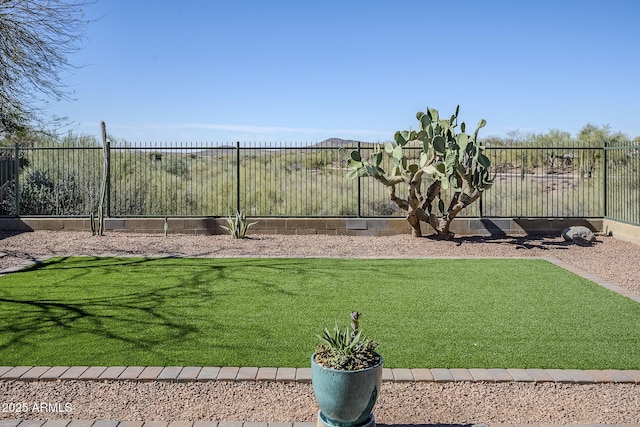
[(593, 136), (36, 39)]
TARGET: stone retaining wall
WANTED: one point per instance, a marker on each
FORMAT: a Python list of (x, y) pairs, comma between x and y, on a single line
[(331, 226)]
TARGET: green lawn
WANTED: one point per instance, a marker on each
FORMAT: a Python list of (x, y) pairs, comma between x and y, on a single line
[(265, 312)]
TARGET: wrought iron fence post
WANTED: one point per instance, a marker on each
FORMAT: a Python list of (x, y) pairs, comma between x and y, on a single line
[(237, 176), (604, 177), (108, 178), (16, 173), (359, 189)]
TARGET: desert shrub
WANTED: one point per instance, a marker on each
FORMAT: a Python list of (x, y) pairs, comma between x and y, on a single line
[(176, 166), (41, 195)]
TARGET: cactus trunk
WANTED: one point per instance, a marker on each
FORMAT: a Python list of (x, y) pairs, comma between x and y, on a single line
[(460, 201), (414, 221)]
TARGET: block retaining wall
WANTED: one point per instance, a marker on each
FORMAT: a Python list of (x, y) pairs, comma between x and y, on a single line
[(621, 231), (330, 226)]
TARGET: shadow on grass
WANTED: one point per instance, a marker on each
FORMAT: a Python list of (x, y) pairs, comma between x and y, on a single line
[(142, 318), (167, 310), (63, 263)]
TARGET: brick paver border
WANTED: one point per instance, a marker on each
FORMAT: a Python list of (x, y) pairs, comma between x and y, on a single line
[(303, 375)]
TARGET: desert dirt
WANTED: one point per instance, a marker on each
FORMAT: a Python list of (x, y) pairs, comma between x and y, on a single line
[(399, 403)]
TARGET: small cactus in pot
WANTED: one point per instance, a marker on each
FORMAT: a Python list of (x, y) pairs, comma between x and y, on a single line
[(347, 349), (346, 374)]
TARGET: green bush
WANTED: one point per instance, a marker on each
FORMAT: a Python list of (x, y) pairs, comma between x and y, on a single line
[(41, 195)]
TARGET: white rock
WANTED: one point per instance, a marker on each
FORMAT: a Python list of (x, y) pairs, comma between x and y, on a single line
[(579, 235)]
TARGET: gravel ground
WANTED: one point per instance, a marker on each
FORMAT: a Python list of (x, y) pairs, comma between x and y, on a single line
[(408, 403), (399, 403)]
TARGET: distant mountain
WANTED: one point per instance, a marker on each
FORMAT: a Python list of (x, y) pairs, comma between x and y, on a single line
[(337, 143), (223, 150)]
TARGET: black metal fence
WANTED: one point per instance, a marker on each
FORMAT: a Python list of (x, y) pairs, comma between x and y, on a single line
[(546, 182), (622, 183), (301, 181)]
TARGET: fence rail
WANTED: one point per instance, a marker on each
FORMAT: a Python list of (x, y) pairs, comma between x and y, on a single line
[(271, 180)]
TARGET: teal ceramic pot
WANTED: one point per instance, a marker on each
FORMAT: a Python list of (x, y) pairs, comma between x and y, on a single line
[(346, 398)]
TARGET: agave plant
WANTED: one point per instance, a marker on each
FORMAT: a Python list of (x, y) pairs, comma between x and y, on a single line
[(346, 349), (238, 225)]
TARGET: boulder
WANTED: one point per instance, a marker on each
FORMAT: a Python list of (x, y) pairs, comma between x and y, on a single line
[(579, 235)]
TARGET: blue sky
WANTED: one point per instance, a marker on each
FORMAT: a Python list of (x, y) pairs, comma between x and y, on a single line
[(302, 71)]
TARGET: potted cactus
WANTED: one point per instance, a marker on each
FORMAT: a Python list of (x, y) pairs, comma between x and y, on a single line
[(346, 372)]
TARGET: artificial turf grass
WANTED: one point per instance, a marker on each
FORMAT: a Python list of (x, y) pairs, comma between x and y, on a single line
[(265, 312)]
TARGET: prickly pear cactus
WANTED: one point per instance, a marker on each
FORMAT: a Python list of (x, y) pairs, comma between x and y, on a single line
[(449, 162)]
